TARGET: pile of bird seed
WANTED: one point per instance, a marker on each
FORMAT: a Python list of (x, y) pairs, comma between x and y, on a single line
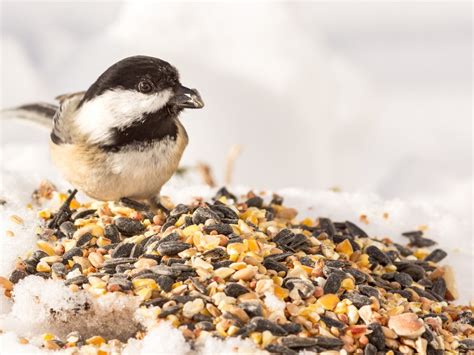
[(250, 269)]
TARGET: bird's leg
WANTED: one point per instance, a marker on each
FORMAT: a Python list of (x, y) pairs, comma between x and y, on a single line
[(155, 203)]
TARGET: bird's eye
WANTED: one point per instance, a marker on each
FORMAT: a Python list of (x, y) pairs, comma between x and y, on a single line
[(145, 86)]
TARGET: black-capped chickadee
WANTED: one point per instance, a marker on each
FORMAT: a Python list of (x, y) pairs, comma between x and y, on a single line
[(121, 138)]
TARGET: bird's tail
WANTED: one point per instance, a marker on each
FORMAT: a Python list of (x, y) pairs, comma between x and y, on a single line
[(41, 113)]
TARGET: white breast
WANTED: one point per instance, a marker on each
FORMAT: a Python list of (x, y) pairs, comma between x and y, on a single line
[(141, 172)]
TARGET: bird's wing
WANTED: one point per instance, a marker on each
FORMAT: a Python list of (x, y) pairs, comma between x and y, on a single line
[(62, 121)]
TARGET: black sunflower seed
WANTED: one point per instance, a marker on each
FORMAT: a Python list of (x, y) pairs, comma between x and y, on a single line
[(417, 240), (158, 301), (71, 253), (276, 200), (280, 349), (67, 228), (274, 265), (78, 280), (59, 269), (84, 240), (235, 290), (370, 350), (466, 344), (404, 251), (172, 248), (415, 271), (436, 256), (223, 192), (333, 282), (129, 226), (202, 214), (307, 261), (215, 254), (292, 328), (359, 276), (279, 257), (165, 282), (331, 322), (327, 226), (118, 261), (179, 210), (84, 214), (122, 250), (403, 279), (261, 324), (122, 282), (357, 299), (355, 231), (111, 232), (439, 287), (199, 285), (37, 256), (220, 228), (328, 343), (427, 294), (255, 201), (226, 213), (136, 251), (378, 255), (17, 275), (376, 338), (205, 325), (305, 288), (252, 309), (169, 310)]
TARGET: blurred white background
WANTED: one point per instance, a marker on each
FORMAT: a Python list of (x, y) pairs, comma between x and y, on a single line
[(366, 96)]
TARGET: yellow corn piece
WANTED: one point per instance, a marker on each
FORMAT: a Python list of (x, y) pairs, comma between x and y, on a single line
[(345, 248), (328, 301), (46, 247), (140, 283), (45, 214), (95, 340), (48, 336), (281, 292)]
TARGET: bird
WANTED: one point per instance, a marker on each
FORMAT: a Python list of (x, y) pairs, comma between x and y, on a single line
[(121, 138)]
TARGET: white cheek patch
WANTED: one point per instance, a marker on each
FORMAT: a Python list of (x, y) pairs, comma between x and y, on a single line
[(117, 108)]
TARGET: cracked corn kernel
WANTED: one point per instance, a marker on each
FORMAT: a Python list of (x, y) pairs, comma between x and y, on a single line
[(256, 337), (363, 260), (43, 267), (281, 292), (45, 214), (251, 245), (150, 283), (232, 330), (190, 230), (267, 338), (345, 248), (95, 340), (348, 284), (328, 301), (47, 336), (46, 247)]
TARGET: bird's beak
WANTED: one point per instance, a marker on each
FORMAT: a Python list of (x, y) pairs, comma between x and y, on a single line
[(187, 98)]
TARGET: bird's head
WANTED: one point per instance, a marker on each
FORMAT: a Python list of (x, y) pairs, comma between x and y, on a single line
[(137, 98)]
